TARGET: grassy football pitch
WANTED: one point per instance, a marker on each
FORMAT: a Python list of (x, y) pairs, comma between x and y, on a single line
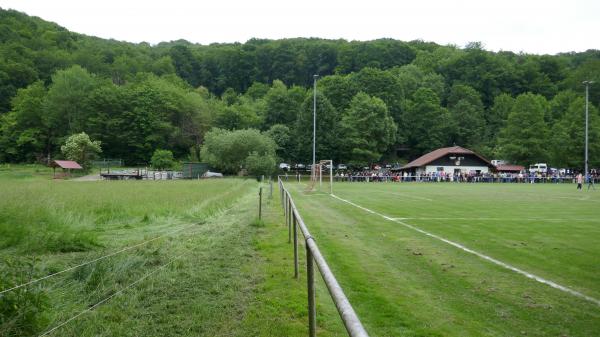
[(189, 258), (402, 281)]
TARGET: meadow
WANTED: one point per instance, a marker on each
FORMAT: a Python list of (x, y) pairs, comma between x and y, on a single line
[(182, 240), (403, 282)]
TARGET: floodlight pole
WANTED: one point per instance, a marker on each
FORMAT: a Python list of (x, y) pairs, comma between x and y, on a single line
[(314, 123), (587, 90)]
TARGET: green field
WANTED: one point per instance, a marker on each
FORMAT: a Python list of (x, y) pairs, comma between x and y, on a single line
[(202, 265), (403, 282), (196, 260)]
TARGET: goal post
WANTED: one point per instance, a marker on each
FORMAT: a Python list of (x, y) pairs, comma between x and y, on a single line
[(317, 172)]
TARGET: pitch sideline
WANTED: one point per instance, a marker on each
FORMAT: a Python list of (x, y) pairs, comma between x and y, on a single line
[(481, 255)]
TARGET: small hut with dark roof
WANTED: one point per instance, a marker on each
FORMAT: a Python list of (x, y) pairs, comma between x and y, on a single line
[(451, 160)]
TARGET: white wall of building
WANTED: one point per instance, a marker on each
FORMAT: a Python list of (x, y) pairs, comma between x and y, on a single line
[(450, 169)]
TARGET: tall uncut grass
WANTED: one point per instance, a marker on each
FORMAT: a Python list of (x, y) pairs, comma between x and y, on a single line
[(48, 225), (42, 215)]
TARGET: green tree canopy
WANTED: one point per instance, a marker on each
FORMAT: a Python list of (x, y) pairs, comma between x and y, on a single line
[(228, 151), (497, 115), (366, 130), (67, 105), (568, 137), (427, 123), (258, 164), (282, 104), (136, 98), (466, 111), (327, 125), (162, 160), (282, 136), (80, 148), (524, 139)]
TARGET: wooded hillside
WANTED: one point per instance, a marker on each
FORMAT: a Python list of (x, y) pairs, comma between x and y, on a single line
[(377, 100)]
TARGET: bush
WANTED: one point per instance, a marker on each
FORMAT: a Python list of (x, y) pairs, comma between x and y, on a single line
[(231, 151), (163, 160), (258, 165)]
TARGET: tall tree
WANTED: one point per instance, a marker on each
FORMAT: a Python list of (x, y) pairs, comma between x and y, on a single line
[(366, 130), (427, 124), (282, 136), (568, 137), (24, 133), (497, 116), (524, 139), (327, 126), (466, 111), (186, 65), (67, 102), (282, 105)]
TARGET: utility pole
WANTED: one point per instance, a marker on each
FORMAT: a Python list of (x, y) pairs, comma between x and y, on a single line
[(314, 123), (587, 91)]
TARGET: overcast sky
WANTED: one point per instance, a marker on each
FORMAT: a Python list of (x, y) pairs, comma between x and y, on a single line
[(531, 26)]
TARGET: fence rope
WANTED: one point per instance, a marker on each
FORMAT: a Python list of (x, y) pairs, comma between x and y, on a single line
[(94, 260), (120, 291)]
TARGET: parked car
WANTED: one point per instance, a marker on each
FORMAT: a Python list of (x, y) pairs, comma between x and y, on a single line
[(538, 168), (342, 167), (284, 166), (209, 174), (299, 166)]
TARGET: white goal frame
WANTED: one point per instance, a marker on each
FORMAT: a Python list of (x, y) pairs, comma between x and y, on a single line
[(317, 174)]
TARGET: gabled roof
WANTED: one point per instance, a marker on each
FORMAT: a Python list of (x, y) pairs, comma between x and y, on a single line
[(433, 155), (66, 164), (510, 168)]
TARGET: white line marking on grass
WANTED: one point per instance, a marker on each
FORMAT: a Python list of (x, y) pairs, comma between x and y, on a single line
[(499, 219), (483, 256), (409, 196), (579, 199)]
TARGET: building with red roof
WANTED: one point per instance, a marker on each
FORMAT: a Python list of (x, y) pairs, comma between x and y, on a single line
[(451, 160), (507, 168), (66, 165)]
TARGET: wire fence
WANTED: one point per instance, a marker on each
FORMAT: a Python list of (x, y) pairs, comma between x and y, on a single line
[(107, 162), (106, 299), (19, 289), (313, 255), (91, 261), (91, 307)]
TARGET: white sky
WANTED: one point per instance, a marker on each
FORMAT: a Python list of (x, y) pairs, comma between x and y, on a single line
[(531, 26)]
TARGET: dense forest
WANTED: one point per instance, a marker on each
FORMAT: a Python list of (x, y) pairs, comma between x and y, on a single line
[(381, 100)]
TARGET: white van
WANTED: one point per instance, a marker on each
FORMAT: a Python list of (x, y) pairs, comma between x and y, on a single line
[(538, 167)]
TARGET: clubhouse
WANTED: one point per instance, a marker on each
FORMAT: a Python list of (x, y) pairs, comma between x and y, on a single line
[(453, 160)]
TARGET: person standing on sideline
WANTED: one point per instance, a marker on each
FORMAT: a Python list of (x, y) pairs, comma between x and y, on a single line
[(590, 181), (579, 181)]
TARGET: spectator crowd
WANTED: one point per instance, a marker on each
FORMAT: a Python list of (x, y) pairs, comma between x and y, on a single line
[(385, 175)]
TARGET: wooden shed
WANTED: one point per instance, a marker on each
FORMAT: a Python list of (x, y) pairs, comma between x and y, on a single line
[(66, 166)]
